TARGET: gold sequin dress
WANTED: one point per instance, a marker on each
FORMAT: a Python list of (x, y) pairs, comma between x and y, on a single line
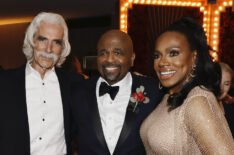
[(198, 126)]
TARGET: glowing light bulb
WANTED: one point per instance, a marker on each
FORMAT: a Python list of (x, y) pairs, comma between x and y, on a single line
[(198, 4), (220, 8), (126, 4), (136, 1), (230, 3)]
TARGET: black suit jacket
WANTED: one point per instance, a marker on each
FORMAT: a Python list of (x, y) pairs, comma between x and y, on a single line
[(91, 139), (14, 127)]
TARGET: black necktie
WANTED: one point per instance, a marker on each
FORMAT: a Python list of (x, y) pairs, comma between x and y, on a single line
[(105, 88)]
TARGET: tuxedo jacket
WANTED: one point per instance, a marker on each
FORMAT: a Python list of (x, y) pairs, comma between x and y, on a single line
[(90, 135), (14, 125)]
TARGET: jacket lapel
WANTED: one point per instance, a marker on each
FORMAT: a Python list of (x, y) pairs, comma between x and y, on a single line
[(64, 89), (129, 118), (21, 97), (96, 120)]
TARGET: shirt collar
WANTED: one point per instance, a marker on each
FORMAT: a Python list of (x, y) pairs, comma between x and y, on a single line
[(31, 71)]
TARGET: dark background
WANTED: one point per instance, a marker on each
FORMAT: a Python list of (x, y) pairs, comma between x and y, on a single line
[(88, 19)]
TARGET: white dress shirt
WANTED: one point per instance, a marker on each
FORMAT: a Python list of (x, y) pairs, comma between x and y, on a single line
[(112, 112), (45, 113)]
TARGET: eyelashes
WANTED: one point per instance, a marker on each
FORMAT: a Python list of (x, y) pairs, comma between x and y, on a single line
[(172, 53), (156, 56)]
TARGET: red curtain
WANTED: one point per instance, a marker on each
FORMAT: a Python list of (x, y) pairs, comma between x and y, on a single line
[(226, 39), (145, 23)]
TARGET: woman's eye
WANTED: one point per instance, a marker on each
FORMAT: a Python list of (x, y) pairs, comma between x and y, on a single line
[(227, 83), (174, 53), (156, 56)]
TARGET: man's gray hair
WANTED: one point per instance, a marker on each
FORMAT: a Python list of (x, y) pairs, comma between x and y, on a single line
[(33, 28)]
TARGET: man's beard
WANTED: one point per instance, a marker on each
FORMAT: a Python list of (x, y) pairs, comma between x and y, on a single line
[(109, 76)]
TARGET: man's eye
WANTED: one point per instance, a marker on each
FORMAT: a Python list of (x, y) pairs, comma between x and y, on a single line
[(40, 38), (117, 53), (58, 42), (101, 53), (174, 53)]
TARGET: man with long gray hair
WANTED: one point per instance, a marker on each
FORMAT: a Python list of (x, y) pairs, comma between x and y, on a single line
[(34, 108)]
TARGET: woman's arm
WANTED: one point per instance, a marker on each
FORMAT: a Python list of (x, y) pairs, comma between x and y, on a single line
[(206, 127)]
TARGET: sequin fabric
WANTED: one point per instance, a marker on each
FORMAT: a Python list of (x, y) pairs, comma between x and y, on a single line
[(197, 127)]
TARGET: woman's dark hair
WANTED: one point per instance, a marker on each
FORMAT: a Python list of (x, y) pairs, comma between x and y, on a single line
[(207, 72)]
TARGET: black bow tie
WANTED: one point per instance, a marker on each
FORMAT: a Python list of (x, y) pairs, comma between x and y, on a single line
[(105, 88)]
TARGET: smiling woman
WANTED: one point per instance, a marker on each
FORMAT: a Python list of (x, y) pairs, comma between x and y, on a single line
[(188, 120), (173, 60)]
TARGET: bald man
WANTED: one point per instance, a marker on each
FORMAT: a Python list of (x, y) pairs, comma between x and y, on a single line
[(109, 111)]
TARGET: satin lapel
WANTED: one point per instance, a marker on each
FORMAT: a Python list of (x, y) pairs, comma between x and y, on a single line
[(96, 120), (129, 119)]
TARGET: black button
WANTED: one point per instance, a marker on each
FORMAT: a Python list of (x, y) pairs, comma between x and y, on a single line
[(43, 83), (40, 138), (44, 101), (43, 119)]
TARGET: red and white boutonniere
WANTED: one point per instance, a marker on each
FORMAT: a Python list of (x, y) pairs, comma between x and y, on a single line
[(138, 97)]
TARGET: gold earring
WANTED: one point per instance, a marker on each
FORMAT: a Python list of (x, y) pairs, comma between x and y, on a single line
[(192, 73), (160, 86)]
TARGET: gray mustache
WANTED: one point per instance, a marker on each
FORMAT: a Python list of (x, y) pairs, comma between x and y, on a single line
[(47, 55)]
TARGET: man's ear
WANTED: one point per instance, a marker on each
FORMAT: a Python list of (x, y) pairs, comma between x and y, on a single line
[(132, 59)]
